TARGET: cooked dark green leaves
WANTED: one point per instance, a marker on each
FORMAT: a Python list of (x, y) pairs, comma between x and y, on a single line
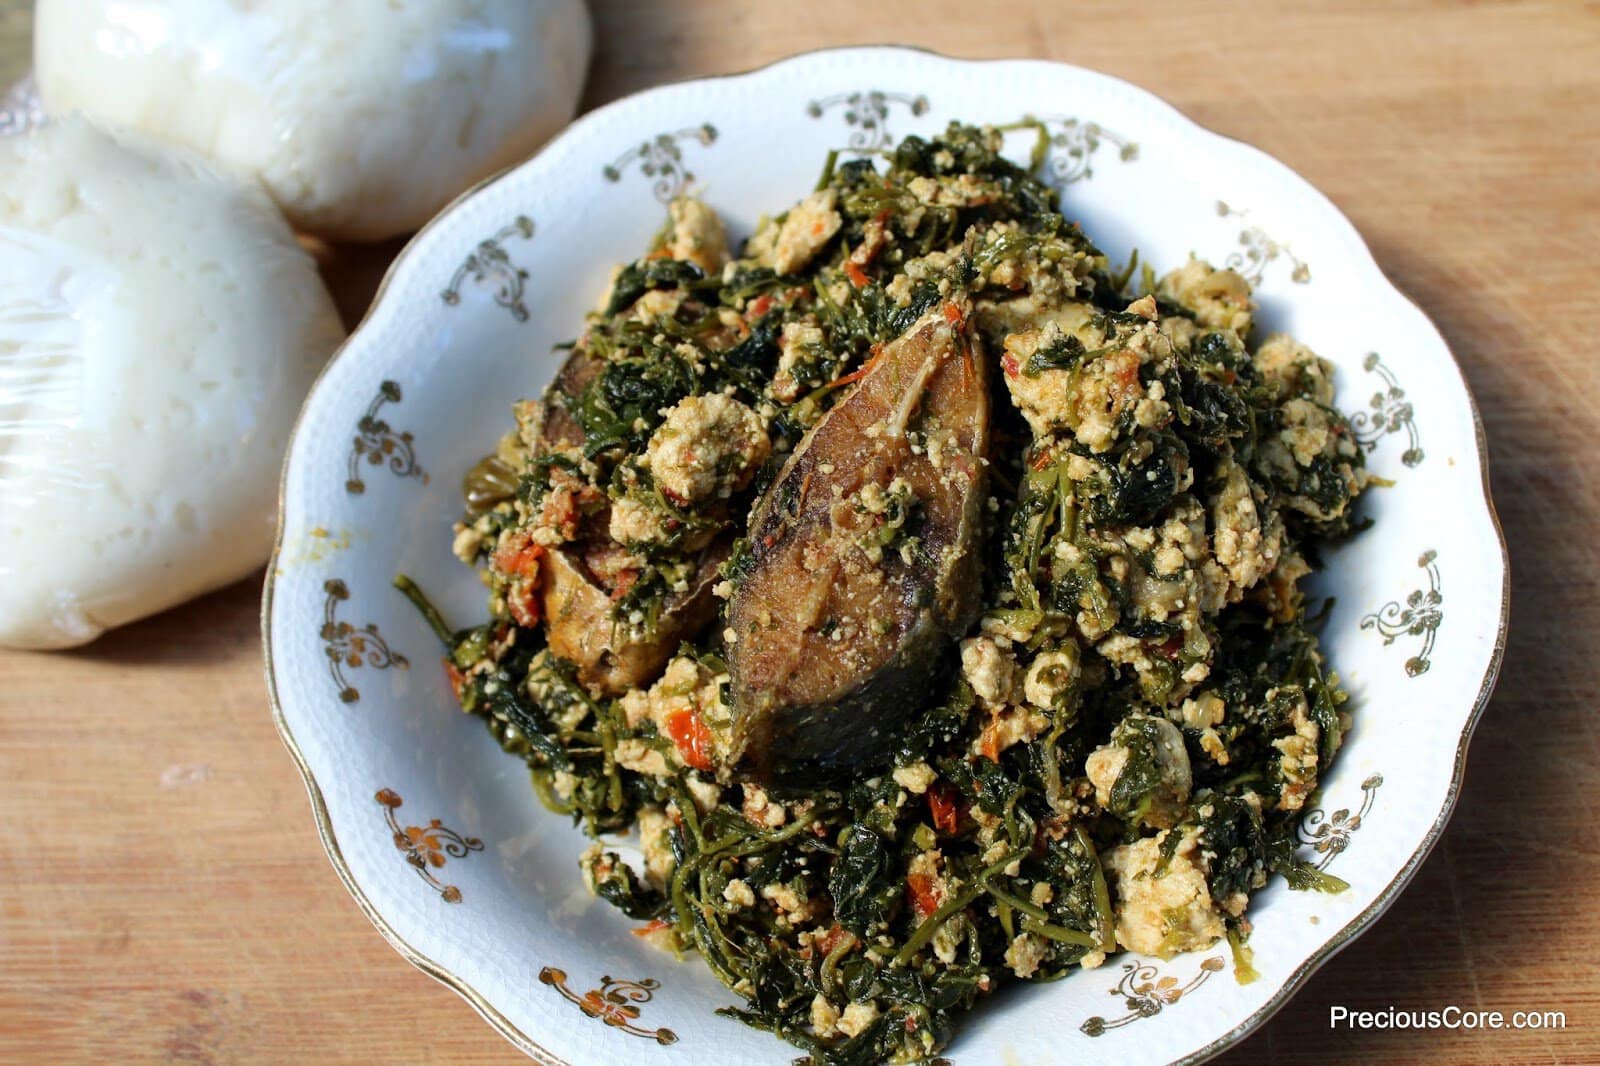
[(1144, 686)]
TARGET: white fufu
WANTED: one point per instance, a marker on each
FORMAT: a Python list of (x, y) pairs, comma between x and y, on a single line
[(362, 117), (159, 327)]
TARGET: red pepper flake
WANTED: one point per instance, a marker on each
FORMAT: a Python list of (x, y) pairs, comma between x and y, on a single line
[(1040, 461), (953, 315), (761, 305), (625, 581), (691, 737), (560, 511), (651, 928), (519, 557), (925, 896), (857, 276), (457, 676), (989, 741), (522, 599), (852, 377), (861, 371), (943, 804), (1009, 364), (831, 939), (1170, 648)]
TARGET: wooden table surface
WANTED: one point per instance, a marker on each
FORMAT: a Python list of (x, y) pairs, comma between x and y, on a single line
[(163, 895)]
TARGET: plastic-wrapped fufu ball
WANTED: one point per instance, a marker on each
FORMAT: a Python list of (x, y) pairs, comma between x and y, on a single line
[(159, 327), (362, 117)]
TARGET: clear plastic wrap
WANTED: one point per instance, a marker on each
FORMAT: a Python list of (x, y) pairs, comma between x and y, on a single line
[(159, 327), (362, 118), (20, 108)]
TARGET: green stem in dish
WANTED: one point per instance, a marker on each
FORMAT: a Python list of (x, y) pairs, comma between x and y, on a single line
[(1102, 894), (955, 904), (425, 607), (1060, 933)]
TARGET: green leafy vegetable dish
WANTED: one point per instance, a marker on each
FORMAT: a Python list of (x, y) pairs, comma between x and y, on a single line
[(922, 591)]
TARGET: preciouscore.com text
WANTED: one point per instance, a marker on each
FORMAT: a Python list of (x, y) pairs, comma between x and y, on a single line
[(1451, 1017)]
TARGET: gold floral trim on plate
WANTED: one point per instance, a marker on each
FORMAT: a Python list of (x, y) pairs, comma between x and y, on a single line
[(1329, 835), (1419, 616), (1390, 413), (614, 1002), (1071, 144), (376, 442), (661, 158), (426, 847), (1147, 994), (349, 647), (490, 267), (1257, 251), (866, 112)]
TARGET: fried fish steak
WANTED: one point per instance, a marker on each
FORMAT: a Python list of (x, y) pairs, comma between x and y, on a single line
[(863, 562)]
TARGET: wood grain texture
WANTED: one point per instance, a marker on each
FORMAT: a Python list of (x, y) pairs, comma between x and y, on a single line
[(163, 896)]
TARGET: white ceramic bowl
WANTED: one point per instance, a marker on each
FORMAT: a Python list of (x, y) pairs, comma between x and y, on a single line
[(438, 834)]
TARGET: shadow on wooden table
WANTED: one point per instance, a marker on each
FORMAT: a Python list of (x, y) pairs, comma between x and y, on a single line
[(218, 626), (1462, 933), (353, 272)]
